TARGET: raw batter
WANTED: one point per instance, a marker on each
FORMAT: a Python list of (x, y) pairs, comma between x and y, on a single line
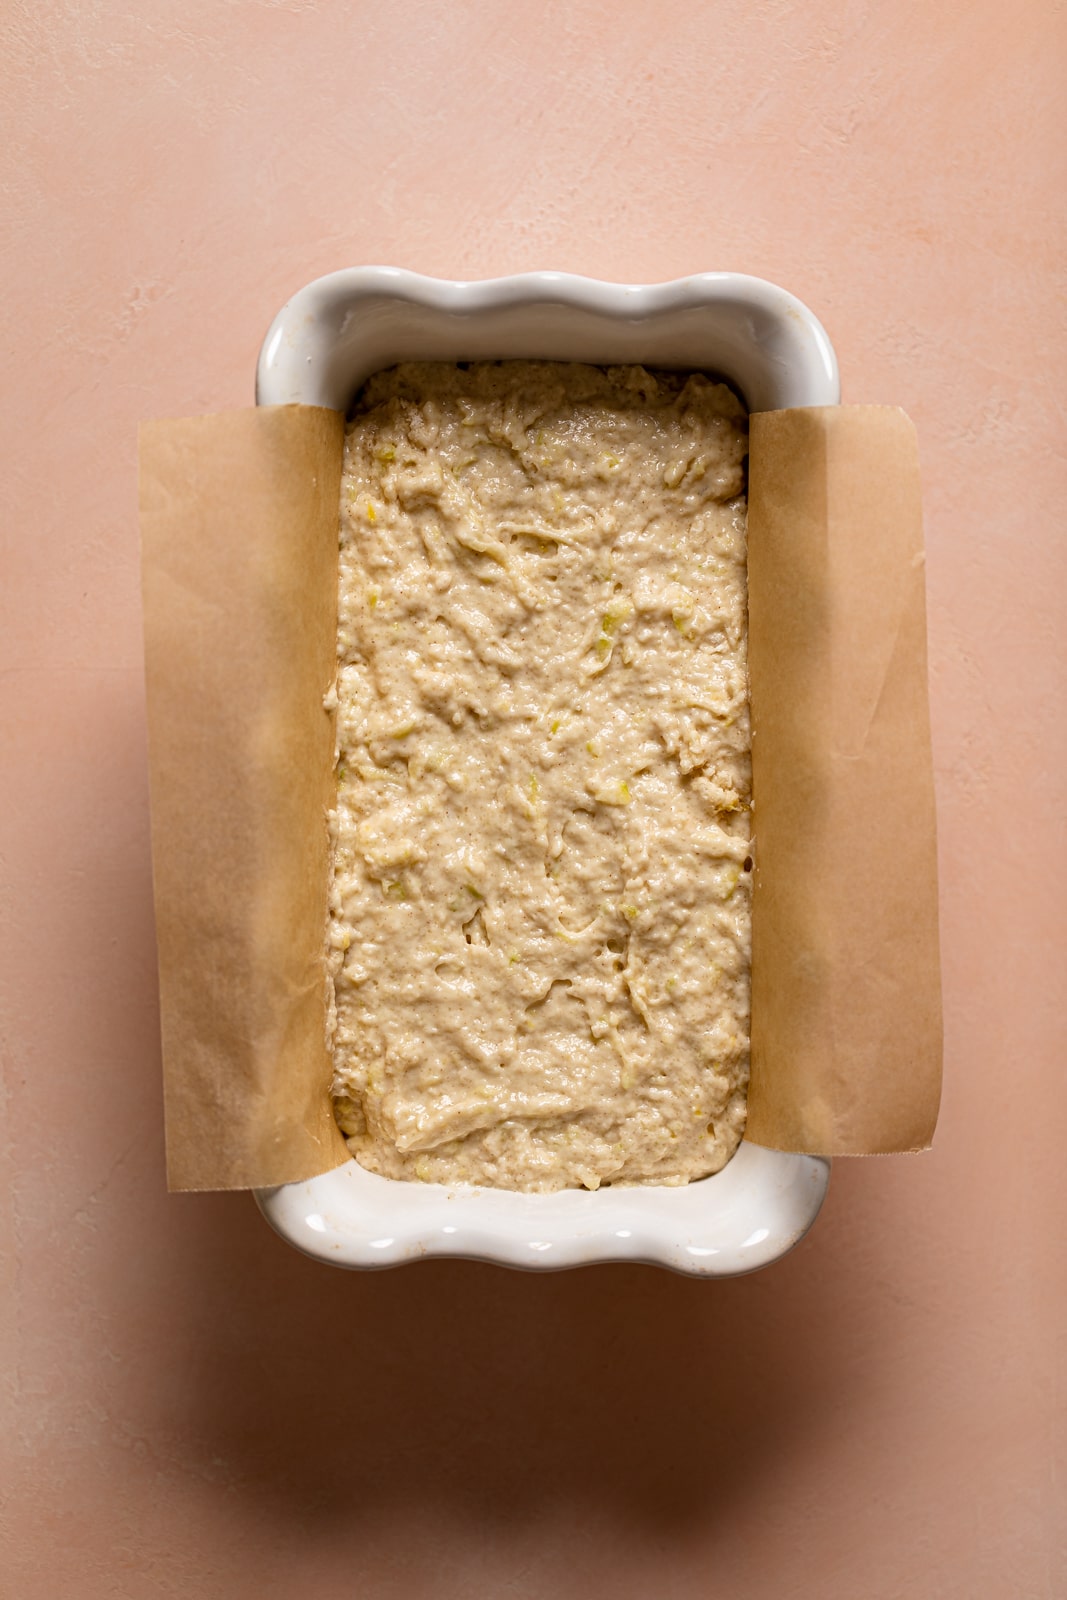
[(539, 929)]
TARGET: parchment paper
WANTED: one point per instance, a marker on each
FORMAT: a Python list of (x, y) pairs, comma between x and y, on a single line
[(239, 534), (846, 988), (239, 517)]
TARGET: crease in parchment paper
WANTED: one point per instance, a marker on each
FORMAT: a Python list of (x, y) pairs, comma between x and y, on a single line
[(239, 517)]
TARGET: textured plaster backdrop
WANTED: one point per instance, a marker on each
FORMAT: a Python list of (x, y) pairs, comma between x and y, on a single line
[(191, 1408)]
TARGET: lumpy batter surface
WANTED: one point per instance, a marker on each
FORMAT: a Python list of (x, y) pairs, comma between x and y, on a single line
[(539, 911)]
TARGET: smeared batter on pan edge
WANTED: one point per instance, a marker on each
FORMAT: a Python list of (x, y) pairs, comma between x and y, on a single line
[(539, 911)]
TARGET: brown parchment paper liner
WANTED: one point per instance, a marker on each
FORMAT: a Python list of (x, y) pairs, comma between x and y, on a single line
[(239, 516), (846, 986), (239, 554)]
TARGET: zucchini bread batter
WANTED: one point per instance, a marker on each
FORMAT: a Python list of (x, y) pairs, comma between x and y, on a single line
[(539, 913)]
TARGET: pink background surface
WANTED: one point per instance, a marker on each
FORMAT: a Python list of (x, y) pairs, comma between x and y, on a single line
[(191, 1408)]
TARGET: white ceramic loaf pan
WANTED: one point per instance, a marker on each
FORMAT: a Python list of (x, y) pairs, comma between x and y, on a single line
[(320, 348)]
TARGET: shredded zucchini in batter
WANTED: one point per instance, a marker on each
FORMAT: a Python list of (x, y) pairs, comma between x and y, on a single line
[(539, 910)]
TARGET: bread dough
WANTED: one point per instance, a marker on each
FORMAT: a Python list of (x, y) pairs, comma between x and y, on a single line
[(539, 910)]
